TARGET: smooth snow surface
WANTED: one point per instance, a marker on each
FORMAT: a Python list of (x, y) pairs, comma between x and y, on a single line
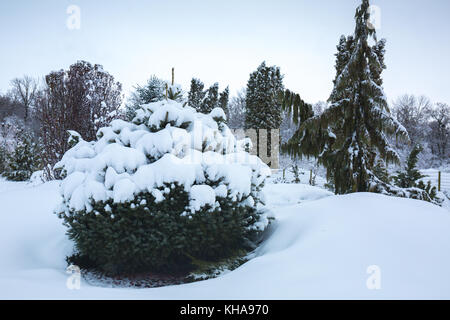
[(320, 247)]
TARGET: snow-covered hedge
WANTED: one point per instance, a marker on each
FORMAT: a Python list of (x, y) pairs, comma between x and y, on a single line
[(169, 187)]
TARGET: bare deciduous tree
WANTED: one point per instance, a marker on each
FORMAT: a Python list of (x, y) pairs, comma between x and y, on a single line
[(236, 111), (439, 136), (24, 91), (413, 113), (84, 99), (9, 107)]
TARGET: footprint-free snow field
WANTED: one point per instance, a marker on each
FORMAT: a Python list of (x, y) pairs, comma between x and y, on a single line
[(321, 246)]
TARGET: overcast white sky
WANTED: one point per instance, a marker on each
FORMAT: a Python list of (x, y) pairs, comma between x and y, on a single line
[(224, 41)]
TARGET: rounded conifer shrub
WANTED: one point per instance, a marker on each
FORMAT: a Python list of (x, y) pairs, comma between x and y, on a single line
[(170, 187)]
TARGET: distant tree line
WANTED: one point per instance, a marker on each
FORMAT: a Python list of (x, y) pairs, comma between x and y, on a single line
[(35, 117), (428, 125)]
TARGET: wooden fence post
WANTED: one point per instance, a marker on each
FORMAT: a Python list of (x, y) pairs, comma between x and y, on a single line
[(173, 76), (439, 181)]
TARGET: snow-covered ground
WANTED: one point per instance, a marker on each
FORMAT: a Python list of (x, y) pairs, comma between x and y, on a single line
[(321, 246), (287, 176)]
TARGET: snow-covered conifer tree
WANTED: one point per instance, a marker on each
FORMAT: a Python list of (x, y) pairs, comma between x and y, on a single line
[(2, 159), (152, 91), (263, 109), (196, 94), (349, 135), (223, 100), (211, 100), (169, 188), (206, 101), (411, 175), (24, 159)]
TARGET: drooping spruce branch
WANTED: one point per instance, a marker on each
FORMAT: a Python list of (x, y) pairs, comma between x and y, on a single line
[(353, 131), (296, 107)]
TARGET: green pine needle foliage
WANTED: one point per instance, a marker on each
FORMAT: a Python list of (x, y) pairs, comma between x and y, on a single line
[(411, 175), (152, 91), (157, 237), (205, 101), (263, 107), (24, 159), (2, 160), (381, 171)]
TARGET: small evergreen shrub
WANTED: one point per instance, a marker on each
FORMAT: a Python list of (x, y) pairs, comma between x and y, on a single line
[(24, 159), (2, 160), (296, 172), (408, 183), (430, 190), (161, 192), (409, 177)]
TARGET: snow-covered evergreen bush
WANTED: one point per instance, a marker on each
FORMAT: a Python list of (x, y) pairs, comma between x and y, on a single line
[(157, 193), (24, 159)]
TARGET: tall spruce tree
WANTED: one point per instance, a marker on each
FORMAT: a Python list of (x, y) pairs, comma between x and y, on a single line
[(262, 99), (223, 99), (347, 137), (196, 95), (211, 100), (206, 100)]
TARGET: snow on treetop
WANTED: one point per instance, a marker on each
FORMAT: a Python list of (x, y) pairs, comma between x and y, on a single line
[(218, 113), (165, 143)]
